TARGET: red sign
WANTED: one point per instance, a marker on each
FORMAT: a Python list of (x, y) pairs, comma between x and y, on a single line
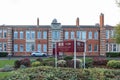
[(68, 46)]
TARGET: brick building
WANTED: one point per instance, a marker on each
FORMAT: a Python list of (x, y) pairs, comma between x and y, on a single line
[(23, 39)]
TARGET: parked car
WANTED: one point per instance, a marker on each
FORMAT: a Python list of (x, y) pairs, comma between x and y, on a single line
[(38, 54)]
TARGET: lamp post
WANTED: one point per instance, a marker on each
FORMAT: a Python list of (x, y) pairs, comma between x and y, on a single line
[(84, 54)]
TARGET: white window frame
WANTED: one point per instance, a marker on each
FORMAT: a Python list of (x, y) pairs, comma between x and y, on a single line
[(15, 35), (44, 34), (97, 47), (90, 35), (72, 35), (91, 47), (4, 33), (66, 35), (96, 35), (107, 34), (44, 47), (4, 48), (21, 35), (39, 35), (39, 48), (21, 50), (15, 47)]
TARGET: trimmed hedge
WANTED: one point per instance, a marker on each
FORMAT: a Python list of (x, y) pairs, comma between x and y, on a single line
[(113, 54), (51, 73), (114, 64), (3, 54)]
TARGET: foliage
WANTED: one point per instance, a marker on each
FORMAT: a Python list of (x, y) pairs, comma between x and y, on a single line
[(51, 73), (39, 59), (61, 63), (7, 68), (17, 64), (113, 54), (88, 62), (68, 58), (4, 74), (100, 61), (49, 62), (36, 63), (114, 64), (3, 54), (117, 33)]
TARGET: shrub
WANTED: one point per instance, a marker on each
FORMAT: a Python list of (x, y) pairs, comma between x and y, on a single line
[(88, 62), (36, 63), (100, 61), (39, 59), (3, 54), (8, 68), (113, 64), (61, 63), (25, 62), (68, 58), (17, 64), (49, 62), (113, 54)]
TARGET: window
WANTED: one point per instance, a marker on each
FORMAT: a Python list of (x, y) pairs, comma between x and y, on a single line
[(4, 33), (90, 35), (114, 47), (66, 35), (0, 46), (28, 35), (4, 47), (72, 35), (0, 33), (95, 47), (15, 47), (44, 47), (39, 47), (107, 34), (112, 33), (21, 48), (89, 47), (21, 35), (96, 35), (107, 46), (78, 34), (45, 35), (32, 35), (56, 35), (110, 47), (30, 47), (15, 35), (39, 35), (83, 35)]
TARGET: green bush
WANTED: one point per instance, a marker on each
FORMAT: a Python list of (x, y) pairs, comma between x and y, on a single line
[(88, 62), (36, 63), (51, 73), (68, 58), (61, 63), (113, 64), (3, 54), (113, 54)]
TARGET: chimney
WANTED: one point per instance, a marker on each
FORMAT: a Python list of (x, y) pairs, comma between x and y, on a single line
[(101, 20), (37, 22), (77, 21)]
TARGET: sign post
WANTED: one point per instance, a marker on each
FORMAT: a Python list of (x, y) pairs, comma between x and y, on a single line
[(75, 53)]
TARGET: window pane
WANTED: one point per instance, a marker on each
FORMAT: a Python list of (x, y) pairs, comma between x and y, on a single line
[(0, 46), (4, 47), (28, 48), (78, 34), (95, 47), (106, 47), (96, 35), (4, 34), (114, 47), (45, 35), (107, 34), (28, 35), (72, 35), (66, 35), (21, 48), (55, 35), (15, 47), (15, 35), (83, 35), (89, 35), (32, 35), (0, 33), (21, 34), (44, 47), (39, 47), (89, 47), (39, 35)]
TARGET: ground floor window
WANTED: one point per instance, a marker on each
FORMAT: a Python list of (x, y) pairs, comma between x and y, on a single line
[(39, 47), (90, 47), (44, 47), (15, 47), (95, 47), (30, 47), (4, 47), (21, 48), (112, 47)]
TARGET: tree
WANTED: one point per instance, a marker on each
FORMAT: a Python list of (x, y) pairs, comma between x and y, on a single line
[(118, 2), (117, 33)]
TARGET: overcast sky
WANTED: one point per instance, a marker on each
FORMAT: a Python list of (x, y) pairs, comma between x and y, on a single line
[(25, 12)]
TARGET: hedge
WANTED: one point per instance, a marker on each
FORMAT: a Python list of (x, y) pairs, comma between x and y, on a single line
[(3, 54), (51, 73), (113, 54), (114, 64)]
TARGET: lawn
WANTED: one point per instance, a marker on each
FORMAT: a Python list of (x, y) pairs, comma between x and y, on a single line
[(6, 62), (4, 74)]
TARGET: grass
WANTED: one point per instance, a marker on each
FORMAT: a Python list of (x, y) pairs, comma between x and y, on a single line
[(6, 62), (4, 74)]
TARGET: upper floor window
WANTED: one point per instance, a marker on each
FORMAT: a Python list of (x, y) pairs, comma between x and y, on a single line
[(72, 35), (39, 35), (78, 34), (4, 33), (107, 34), (96, 35), (66, 35), (83, 37), (90, 35), (56, 35), (112, 33), (21, 35), (45, 35), (30, 35), (15, 35)]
